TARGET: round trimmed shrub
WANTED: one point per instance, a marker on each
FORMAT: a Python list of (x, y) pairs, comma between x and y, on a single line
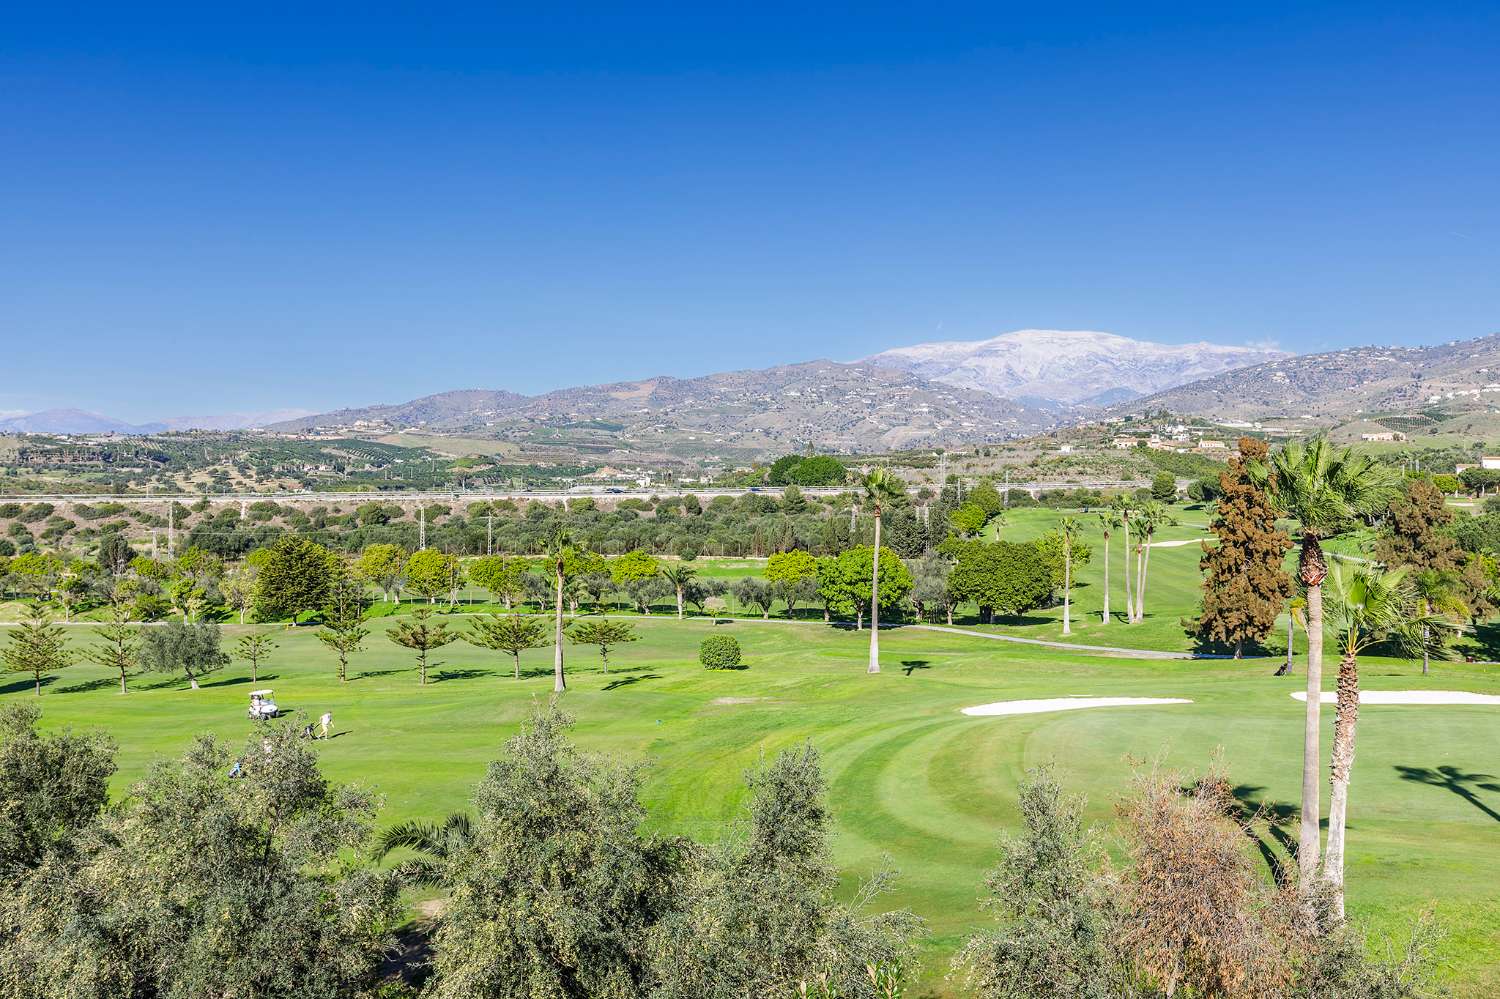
[(719, 652)]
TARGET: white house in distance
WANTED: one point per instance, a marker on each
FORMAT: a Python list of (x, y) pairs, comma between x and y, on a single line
[(1490, 461)]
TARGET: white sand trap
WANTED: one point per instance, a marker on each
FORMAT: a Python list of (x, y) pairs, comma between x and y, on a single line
[(1036, 707), (1177, 544), (1409, 697)]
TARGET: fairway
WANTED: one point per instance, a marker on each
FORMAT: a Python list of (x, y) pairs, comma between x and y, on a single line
[(911, 776)]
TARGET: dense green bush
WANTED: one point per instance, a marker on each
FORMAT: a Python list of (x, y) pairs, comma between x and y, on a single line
[(719, 652), (35, 512)]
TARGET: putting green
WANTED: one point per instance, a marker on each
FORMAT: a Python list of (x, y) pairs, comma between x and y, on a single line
[(911, 776)]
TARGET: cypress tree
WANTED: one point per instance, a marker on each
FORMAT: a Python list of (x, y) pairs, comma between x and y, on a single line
[(1244, 585)]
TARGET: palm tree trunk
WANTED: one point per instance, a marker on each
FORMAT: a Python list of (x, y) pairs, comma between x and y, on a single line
[(1067, 584), (679, 603), (1291, 624), (1426, 636), (875, 601), (1308, 834), (558, 683), (1140, 592), (1345, 719), (1104, 614), (1134, 599)]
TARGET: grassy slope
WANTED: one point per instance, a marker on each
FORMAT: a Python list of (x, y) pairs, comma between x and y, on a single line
[(910, 776)]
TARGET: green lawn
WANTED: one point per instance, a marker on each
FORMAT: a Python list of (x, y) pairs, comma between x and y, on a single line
[(911, 777)]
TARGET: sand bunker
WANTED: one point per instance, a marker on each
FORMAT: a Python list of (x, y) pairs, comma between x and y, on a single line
[(1409, 697), (1067, 704)]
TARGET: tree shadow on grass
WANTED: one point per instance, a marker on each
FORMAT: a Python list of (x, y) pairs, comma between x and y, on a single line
[(1020, 621), (377, 673), (1456, 781), (170, 682), (910, 665), (626, 681), (236, 681), (1484, 642), (16, 686), (1278, 848), (460, 674), (85, 686)]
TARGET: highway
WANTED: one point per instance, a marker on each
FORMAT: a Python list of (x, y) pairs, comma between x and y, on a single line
[(477, 495)]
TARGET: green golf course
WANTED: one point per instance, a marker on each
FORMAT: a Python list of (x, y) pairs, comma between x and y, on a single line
[(911, 777)]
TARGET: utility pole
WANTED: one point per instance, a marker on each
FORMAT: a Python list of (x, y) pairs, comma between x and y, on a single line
[(421, 527), (1005, 496), (153, 544), (172, 529), (489, 533)]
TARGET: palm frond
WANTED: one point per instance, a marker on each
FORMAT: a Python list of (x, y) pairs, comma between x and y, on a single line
[(421, 872), (414, 835)]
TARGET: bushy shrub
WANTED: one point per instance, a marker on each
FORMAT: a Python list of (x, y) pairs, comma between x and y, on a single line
[(719, 652), (35, 512)]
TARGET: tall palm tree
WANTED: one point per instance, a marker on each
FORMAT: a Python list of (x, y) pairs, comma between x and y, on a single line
[(1366, 604), (1323, 489), (556, 549), (1438, 595), (1148, 518), (1108, 521), (442, 848), (1069, 528), (1124, 508), (1295, 615), (878, 487), (679, 575)]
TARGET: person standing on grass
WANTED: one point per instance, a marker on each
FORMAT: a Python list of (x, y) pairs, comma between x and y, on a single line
[(326, 723)]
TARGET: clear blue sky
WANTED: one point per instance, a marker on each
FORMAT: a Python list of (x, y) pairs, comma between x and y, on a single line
[(205, 211)]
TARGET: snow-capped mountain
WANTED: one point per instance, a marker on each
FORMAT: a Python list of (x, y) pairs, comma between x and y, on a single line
[(1069, 367)]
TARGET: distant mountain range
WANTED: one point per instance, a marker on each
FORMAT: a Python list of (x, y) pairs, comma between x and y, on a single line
[(78, 421), (1069, 367), (1332, 387), (919, 396), (834, 406)]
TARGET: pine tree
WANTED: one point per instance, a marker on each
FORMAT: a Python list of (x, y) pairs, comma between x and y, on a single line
[(1416, 533), (1244, 586), (37, 646)]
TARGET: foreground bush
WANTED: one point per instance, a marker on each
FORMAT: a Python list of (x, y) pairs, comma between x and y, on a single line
[(719, 652), (562, 895), (200, 884), (1186, 914)]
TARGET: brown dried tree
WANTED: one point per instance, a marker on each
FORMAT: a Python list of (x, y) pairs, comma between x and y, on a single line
[(1245, 585)]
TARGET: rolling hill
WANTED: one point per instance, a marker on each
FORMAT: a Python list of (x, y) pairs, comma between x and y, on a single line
[(834, 406), (1337, 386)]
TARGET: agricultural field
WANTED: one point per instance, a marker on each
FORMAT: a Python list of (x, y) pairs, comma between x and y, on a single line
[(912, 779)]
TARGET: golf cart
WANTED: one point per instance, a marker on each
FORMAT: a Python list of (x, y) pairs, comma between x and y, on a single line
[(261, 705)]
